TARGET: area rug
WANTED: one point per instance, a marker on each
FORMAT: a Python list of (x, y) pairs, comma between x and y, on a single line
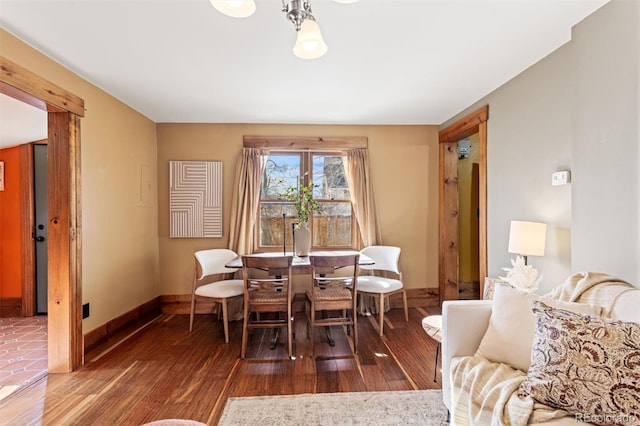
[(421, 407)]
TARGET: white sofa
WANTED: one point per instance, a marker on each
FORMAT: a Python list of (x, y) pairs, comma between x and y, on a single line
[(465, 322)]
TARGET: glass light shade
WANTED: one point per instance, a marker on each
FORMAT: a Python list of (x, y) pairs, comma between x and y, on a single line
[(235, 8), (309, 43), (527, 238)]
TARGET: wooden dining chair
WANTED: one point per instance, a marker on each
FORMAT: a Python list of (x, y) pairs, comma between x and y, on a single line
[(333, 296), (267, 289), (211, 263)]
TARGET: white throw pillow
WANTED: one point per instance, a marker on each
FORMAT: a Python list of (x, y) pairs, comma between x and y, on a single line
[(512, 326)]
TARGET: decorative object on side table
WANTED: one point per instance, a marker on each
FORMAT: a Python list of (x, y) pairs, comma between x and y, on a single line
[(522, 276), (304, 203)]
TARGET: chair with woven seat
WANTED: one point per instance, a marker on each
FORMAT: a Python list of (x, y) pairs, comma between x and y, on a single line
[(333, 296), (208, 264), (267, 290), (385, 260)]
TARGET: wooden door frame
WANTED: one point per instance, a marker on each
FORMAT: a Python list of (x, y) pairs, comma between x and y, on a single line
[(448, 138), (64, 110)]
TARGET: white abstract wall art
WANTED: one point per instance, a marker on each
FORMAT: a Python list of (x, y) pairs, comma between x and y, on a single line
[(195, 199)]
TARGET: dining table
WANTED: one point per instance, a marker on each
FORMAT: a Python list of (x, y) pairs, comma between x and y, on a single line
[(302, 265)]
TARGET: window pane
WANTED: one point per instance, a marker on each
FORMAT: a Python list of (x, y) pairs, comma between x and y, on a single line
[(329, 178), (271, 224), (332, 226), (281, 171)]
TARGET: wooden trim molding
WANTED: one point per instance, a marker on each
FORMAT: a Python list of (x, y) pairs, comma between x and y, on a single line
[(75, 243), (21, 84), (27, 219), (482, 205), (449, 217), (475, 122), (61, 285), (135, 317), (178, 304), (464, 127), (10, 307), (305, 142)]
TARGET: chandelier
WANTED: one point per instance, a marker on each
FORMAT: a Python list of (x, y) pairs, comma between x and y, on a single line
[(309, 41)]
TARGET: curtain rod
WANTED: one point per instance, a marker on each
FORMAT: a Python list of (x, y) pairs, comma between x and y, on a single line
[(304, 142)]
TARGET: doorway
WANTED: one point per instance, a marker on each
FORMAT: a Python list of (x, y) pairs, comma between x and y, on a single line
[(64, 111), (469, 217), (40, 201), (24, 343), (449, 214)]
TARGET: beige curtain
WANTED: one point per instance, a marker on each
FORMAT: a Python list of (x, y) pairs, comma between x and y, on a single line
[(246, 199), (362, 198), (364, 207)]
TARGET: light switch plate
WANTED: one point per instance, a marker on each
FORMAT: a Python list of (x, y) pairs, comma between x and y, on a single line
[(560, 178)]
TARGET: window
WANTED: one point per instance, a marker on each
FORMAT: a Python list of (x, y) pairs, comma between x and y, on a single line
[(333, 226)]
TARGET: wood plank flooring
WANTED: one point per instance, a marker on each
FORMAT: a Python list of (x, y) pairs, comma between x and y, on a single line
[(162, 371)]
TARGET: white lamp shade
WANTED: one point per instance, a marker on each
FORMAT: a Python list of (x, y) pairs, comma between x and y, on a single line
[(345, 1), (309, 43), (235, 8), (527, 238)]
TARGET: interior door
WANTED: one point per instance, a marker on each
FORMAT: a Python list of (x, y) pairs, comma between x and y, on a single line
[(40, 160)]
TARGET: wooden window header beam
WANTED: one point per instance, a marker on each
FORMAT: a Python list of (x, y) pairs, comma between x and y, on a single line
[(305, 142), (23, 85)]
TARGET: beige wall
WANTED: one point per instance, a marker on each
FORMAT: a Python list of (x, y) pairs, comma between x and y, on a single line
[(606, 142), (529, 138), (404, 162), (119, 219), (577, 109)]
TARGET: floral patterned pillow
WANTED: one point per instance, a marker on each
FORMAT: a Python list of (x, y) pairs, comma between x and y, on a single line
[(588, 366)]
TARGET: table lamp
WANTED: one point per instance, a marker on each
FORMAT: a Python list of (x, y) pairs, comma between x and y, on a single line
[(527, 238)]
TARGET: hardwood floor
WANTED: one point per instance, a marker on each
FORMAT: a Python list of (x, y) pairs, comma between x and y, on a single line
[(162, 371)]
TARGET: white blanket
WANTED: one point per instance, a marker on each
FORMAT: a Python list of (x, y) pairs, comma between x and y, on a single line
[(487, 393), (592, 287)]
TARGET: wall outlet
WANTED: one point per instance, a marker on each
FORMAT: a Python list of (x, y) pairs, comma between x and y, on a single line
[(85, 311), (560, 178)]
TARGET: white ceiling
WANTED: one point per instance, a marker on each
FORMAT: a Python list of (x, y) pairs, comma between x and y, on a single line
[(389, 61), (20, 122)]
